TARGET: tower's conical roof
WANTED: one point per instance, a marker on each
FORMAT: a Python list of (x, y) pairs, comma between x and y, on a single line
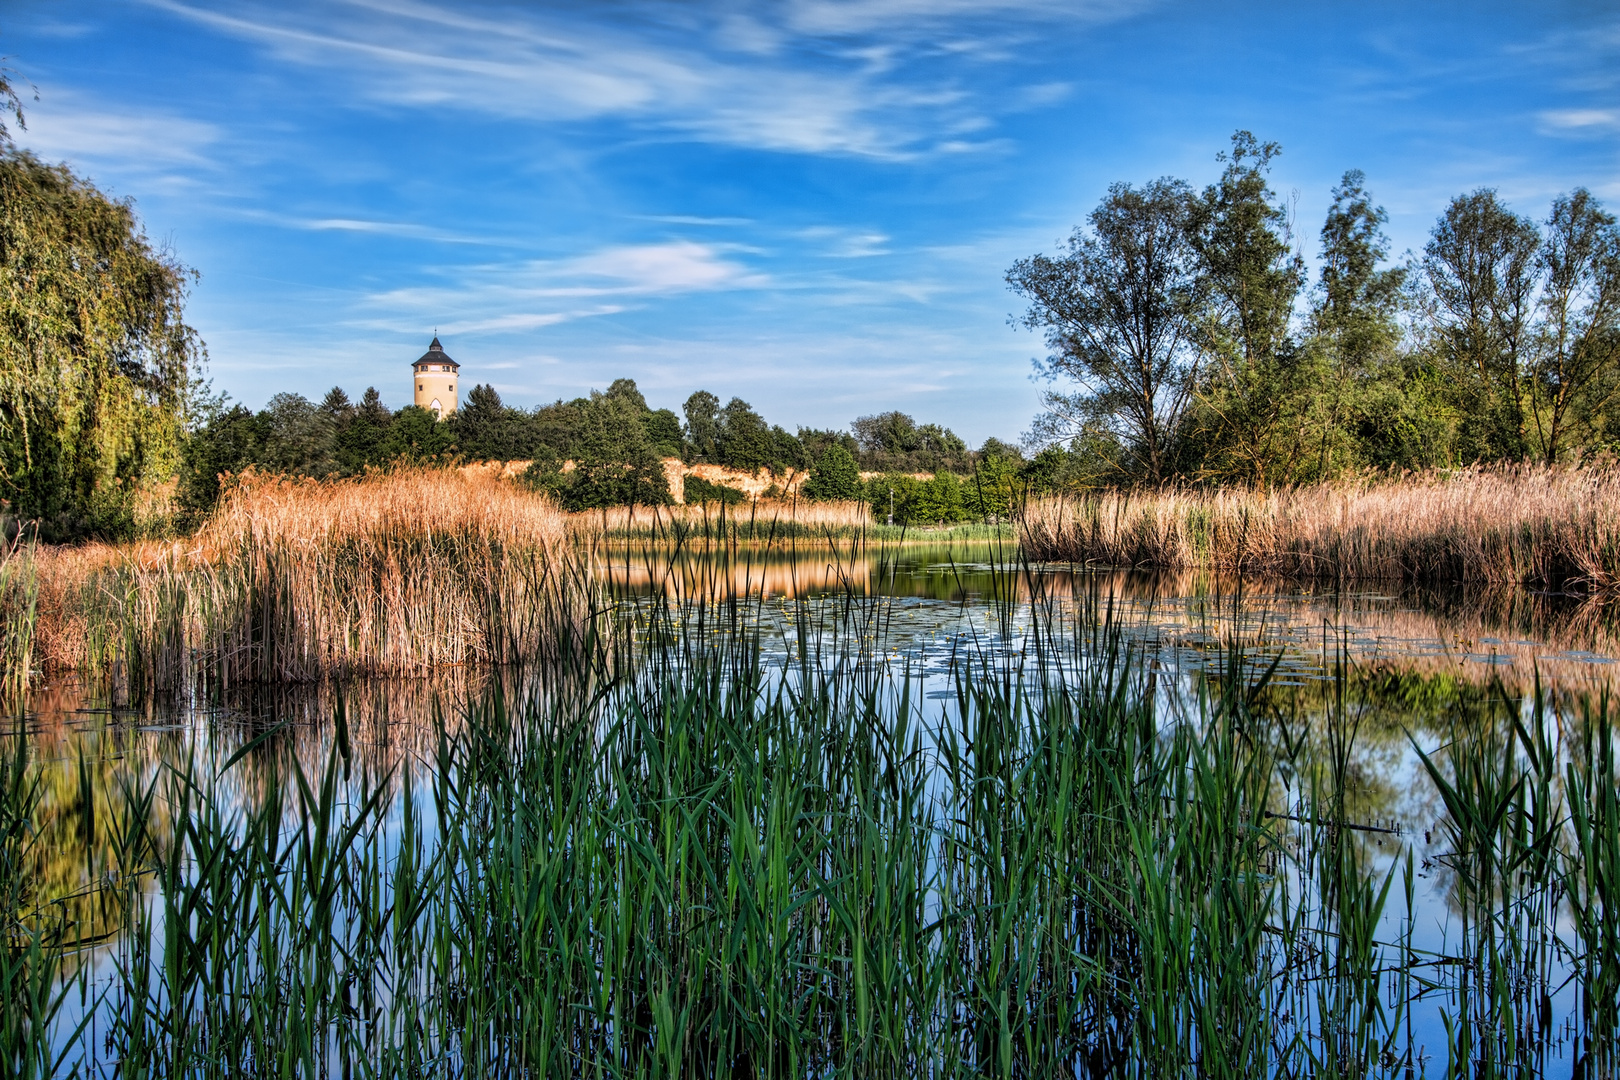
[(436, 355)]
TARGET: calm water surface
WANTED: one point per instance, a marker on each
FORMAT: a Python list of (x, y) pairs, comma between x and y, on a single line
[(916, 612)]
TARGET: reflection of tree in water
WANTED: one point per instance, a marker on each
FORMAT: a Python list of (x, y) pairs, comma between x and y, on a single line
[(88, 777), (94, 760), (1478, 635)]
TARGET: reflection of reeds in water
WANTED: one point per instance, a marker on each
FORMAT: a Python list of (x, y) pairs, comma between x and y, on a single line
[(1527, 524), (1477, 635), (706, 868), (396, 574), (718, 573)]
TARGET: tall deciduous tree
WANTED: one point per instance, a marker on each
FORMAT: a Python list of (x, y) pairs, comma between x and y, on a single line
[(1254, 373), (300, 438), (1481, 262), (1579, 347), (745, 440), (893, 441), (616, 465), (95, 354), (1353, 317), (1117, 314), (702, 411)]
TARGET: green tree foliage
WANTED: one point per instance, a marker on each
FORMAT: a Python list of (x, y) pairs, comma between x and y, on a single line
[(95, 356), (814, 442), (1255, 380), (894, 442), (890, 496), (699, 491), (787, 453), (1051, 470), (937, 500), (836, 476), (360, 434), (557, 427), (485, 429), (295, 437), (630, 393), (10, 102), (1118, 314), (745, 440), (418, 437), (229, 443), (1362, 416), (664, 432), (1481, 266), (614, 462), (299, 437), (997, 483), (702, 411), (736, 436), (1579, 336), (1176, 322)]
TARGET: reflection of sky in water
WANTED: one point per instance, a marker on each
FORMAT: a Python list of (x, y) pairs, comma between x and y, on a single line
[(921, 594), (919, 614)]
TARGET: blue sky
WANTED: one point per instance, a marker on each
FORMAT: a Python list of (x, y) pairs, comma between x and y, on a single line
[(808, 205)]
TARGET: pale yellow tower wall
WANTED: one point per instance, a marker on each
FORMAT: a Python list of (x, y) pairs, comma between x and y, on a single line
[(436, 387)]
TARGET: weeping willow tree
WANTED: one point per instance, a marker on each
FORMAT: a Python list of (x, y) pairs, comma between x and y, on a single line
[(95, 356)]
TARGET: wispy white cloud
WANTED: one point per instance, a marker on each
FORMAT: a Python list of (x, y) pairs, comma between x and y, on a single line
[(514, 298), (404, 229), (821, 78), (1580, 120), (1048, 93), (688, 219), (64, 124), (866, 16), (680, 266), (517, 322), (843, 243)]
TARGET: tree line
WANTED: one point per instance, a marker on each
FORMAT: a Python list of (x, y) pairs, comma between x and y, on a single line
[(1186, 340), (604, 449)]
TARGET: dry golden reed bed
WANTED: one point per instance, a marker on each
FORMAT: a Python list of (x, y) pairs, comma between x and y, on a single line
[(755, 518), (1524, 525), (296, 580)]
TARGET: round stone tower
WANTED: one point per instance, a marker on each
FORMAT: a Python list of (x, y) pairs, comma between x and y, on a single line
[(436, 381)]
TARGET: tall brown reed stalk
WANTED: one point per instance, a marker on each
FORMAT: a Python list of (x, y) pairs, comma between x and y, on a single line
[(1516, 525), (755, 520), (19, 596), (296, 580)]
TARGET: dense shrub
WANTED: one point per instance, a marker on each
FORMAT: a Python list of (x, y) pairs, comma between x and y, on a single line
[(699, 490), (835, 476)]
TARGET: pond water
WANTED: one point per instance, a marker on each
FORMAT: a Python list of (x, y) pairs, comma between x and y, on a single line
[(1181, 620), (1346, 691)]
